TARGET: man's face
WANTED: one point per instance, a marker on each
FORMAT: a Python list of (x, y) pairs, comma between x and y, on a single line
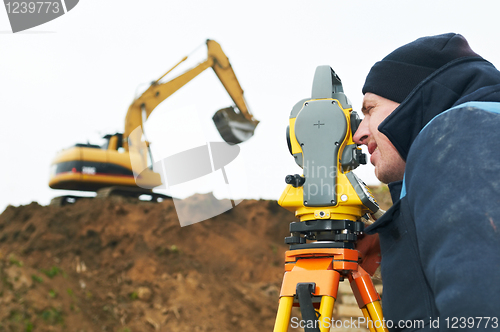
[(389, 166)]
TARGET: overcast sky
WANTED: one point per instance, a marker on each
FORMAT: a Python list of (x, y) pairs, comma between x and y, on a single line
[(72, 79)]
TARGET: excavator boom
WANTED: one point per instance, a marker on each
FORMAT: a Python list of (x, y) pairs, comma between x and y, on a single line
[(233, 127)]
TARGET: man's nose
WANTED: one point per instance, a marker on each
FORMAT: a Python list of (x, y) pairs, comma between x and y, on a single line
[(363, 132)]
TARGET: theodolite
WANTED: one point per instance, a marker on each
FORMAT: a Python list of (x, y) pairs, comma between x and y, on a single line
[(330, 201)]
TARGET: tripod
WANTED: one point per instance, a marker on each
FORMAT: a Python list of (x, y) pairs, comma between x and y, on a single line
[(314, 270)]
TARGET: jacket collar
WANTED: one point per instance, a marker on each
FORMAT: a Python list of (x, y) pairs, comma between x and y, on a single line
[(395, 190)]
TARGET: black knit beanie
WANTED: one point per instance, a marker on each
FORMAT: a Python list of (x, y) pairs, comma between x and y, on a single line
[(402, 70)]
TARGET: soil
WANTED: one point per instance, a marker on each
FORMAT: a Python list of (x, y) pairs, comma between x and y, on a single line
[(125, 265)]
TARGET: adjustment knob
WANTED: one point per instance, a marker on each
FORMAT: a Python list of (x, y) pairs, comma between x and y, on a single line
[(295, 240), (295, 180)]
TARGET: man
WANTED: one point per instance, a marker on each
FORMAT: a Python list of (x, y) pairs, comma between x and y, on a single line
[(432, 127)]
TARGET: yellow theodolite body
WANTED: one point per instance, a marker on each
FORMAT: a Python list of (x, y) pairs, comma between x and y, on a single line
[(320, 139)]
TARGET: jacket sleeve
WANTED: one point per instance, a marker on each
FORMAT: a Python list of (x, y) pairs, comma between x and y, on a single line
[(452, 185)]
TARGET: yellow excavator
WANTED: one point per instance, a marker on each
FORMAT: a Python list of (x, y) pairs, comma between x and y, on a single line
[(107, 169)]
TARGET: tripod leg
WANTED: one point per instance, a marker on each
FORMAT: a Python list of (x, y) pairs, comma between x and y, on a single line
[(375, 311), (326, 312), (368, 299), (283, 315), (369, 321)]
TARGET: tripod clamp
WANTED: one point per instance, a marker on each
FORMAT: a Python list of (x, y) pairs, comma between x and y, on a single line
[(328, 234), (305, 292)]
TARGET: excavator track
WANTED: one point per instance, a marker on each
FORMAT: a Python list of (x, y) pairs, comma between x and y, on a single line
[(66, 200), (130, 192)]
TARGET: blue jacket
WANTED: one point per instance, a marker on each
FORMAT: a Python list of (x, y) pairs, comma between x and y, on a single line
[(440, 241)]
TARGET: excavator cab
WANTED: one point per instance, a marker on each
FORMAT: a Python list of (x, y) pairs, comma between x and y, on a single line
[(113, 142), (233, 127)]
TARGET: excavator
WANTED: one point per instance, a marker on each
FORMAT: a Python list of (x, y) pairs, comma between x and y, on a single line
[(107, 169)]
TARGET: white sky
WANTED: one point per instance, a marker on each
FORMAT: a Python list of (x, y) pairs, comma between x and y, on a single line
[(72, 79)]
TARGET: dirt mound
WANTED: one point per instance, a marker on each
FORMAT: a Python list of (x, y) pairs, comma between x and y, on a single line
[(117, 265)]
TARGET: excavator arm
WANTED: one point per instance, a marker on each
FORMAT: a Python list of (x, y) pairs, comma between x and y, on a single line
[(233, 127), (226, 75)]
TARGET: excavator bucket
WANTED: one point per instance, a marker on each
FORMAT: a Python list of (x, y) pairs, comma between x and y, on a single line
[(233, 127)]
